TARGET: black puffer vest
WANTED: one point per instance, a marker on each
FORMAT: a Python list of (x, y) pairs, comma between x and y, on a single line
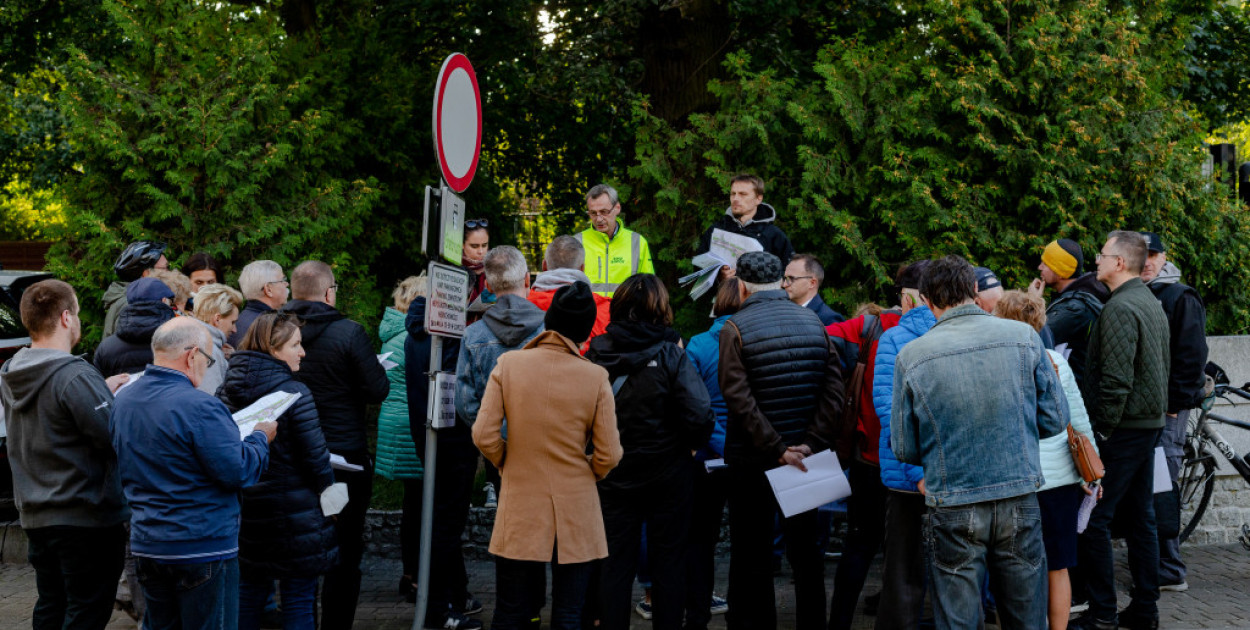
[(784, 350)]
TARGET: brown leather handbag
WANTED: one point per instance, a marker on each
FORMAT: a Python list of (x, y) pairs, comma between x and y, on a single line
[(1088, 463)]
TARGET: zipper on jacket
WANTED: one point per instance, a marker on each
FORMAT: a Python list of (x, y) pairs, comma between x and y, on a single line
[(607, 260)]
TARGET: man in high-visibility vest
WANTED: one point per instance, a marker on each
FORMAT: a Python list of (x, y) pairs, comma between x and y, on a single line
[(613, 253)]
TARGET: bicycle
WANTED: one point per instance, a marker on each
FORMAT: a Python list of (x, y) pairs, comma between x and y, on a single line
[(1203, 443)]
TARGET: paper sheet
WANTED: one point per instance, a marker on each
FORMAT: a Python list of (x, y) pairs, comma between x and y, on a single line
[(338, 462), (384, 359), (269, 407), (334, 499), (799, 491), (725, 248), (714, 464), (1163, 479), (133, 377)]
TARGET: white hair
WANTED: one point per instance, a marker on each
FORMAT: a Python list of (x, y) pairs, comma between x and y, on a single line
[(256, 275), (505, 269), (753, 288), (216, 299), (177, 334)]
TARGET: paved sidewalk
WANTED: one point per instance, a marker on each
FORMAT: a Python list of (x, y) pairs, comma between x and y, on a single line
[(1218, 576)]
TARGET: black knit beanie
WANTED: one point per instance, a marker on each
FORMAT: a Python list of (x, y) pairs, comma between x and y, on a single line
[(572, 312)]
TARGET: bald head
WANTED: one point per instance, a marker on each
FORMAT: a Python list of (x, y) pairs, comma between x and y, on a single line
[(172, 338), (312, 281)]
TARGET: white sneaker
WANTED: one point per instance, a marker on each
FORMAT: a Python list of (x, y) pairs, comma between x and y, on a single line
[(1180, 587), (492, 498), (1080, 607)]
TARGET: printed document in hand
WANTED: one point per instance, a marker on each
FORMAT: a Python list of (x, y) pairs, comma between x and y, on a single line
[(269, 407), (725, 249), (133, 379), (799, 491), (1163, 480), (338, 462), (334, 499), (385, 360)]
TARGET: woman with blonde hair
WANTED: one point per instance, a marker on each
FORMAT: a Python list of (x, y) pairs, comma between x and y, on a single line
[(1061, 496), (217, 307), (397, 456)]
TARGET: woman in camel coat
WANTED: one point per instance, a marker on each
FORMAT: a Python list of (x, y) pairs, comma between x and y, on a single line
[(556, 402)]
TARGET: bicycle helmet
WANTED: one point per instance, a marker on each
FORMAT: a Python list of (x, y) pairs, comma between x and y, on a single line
[(138, 257)]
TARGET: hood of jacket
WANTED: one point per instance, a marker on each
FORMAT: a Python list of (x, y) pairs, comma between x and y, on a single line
[(513, 319), (28, 371), (392, 324), (556, 278), (917, 321), (317, 317), (140, 320), (250, 376), (115, 293), (1089, 283), (627, 346), (1169, 274), (764, 213)]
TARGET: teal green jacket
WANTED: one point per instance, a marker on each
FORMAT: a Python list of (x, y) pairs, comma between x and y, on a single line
[(397, 456)]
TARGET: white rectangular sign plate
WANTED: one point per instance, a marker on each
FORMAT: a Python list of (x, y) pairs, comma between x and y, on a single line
[(448, 302)]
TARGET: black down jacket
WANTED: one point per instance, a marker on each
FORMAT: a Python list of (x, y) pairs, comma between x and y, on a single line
[(662, 409), (283, 533), (343, 370), (129, 350)]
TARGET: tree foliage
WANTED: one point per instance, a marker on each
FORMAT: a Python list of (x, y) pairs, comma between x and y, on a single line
[(984, 129)]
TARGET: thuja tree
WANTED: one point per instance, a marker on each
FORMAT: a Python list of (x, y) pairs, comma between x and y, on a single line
[(199, 136), (983, 129)]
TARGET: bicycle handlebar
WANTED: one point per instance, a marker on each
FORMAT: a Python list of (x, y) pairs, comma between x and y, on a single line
[(1240, 392)]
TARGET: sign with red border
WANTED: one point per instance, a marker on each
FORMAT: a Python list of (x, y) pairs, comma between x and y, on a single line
[(457, 122)]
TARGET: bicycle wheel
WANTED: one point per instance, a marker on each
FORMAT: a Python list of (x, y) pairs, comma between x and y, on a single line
[(1196, 482)]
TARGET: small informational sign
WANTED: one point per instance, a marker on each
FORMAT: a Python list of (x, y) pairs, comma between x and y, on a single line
[(457, 121), (452, 226), (442, 402), (448, 302)]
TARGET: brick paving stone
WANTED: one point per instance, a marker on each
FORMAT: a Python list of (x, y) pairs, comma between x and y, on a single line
[(1215, 600)]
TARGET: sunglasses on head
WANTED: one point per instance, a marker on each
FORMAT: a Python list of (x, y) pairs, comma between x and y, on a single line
[(474, 224)]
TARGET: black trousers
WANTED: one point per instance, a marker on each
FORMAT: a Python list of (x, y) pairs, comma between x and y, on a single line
[(665, 507), (711, 492), (410, 526), (752, 508), (903, 575), (76, 571), (453, 483), (521, 588), (341, 591), (865, 513)]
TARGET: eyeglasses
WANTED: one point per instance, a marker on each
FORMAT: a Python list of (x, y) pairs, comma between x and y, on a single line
[(474, 224), (1099, 257), (789, 280), (211, 360), (334, 287), (596, 215), (278, 281)]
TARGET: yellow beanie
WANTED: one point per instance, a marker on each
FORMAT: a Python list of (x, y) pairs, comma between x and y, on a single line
[(1060, 260)]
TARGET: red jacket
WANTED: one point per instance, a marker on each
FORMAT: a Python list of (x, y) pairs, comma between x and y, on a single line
[(868, 425), (542, 299)]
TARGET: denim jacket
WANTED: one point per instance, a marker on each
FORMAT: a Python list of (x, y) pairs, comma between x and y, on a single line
[(508, 325), (971, 398)]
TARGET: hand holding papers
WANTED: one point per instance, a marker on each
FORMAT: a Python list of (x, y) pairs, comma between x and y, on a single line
[(338, 462), (385, 360), (799, 491), (267, 408), (725, 249)]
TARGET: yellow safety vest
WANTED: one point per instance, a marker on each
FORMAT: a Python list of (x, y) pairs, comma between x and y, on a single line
[(609, 261)]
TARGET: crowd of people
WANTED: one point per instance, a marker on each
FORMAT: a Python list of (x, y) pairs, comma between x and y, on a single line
[(612, 446)]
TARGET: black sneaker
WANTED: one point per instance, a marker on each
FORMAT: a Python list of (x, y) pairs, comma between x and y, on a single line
[(456, 621), (472, 606)]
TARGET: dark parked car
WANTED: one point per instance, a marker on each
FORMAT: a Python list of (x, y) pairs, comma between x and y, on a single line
[(13, 337)]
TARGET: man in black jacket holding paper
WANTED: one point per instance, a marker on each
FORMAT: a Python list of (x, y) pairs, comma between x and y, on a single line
[(344, 374)]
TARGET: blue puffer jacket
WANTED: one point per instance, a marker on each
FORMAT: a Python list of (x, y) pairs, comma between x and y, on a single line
[(913, 324), (704, 353)]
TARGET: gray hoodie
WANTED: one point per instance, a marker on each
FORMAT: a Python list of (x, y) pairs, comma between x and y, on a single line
[(507, 326), (64, 469)]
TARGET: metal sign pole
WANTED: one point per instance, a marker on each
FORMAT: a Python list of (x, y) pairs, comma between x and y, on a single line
[(427, 498)]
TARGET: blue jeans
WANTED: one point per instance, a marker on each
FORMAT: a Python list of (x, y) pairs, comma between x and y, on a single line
[(1129, 458), (1002, 537), (299, 602), (203, 595)]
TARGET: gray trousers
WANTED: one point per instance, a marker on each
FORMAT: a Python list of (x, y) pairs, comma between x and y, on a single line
[(1171, 567)]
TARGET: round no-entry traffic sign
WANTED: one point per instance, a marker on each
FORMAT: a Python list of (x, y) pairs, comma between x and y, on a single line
[(457, 121)]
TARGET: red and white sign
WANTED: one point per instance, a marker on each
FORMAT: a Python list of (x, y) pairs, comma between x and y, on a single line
[(457, 122)]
